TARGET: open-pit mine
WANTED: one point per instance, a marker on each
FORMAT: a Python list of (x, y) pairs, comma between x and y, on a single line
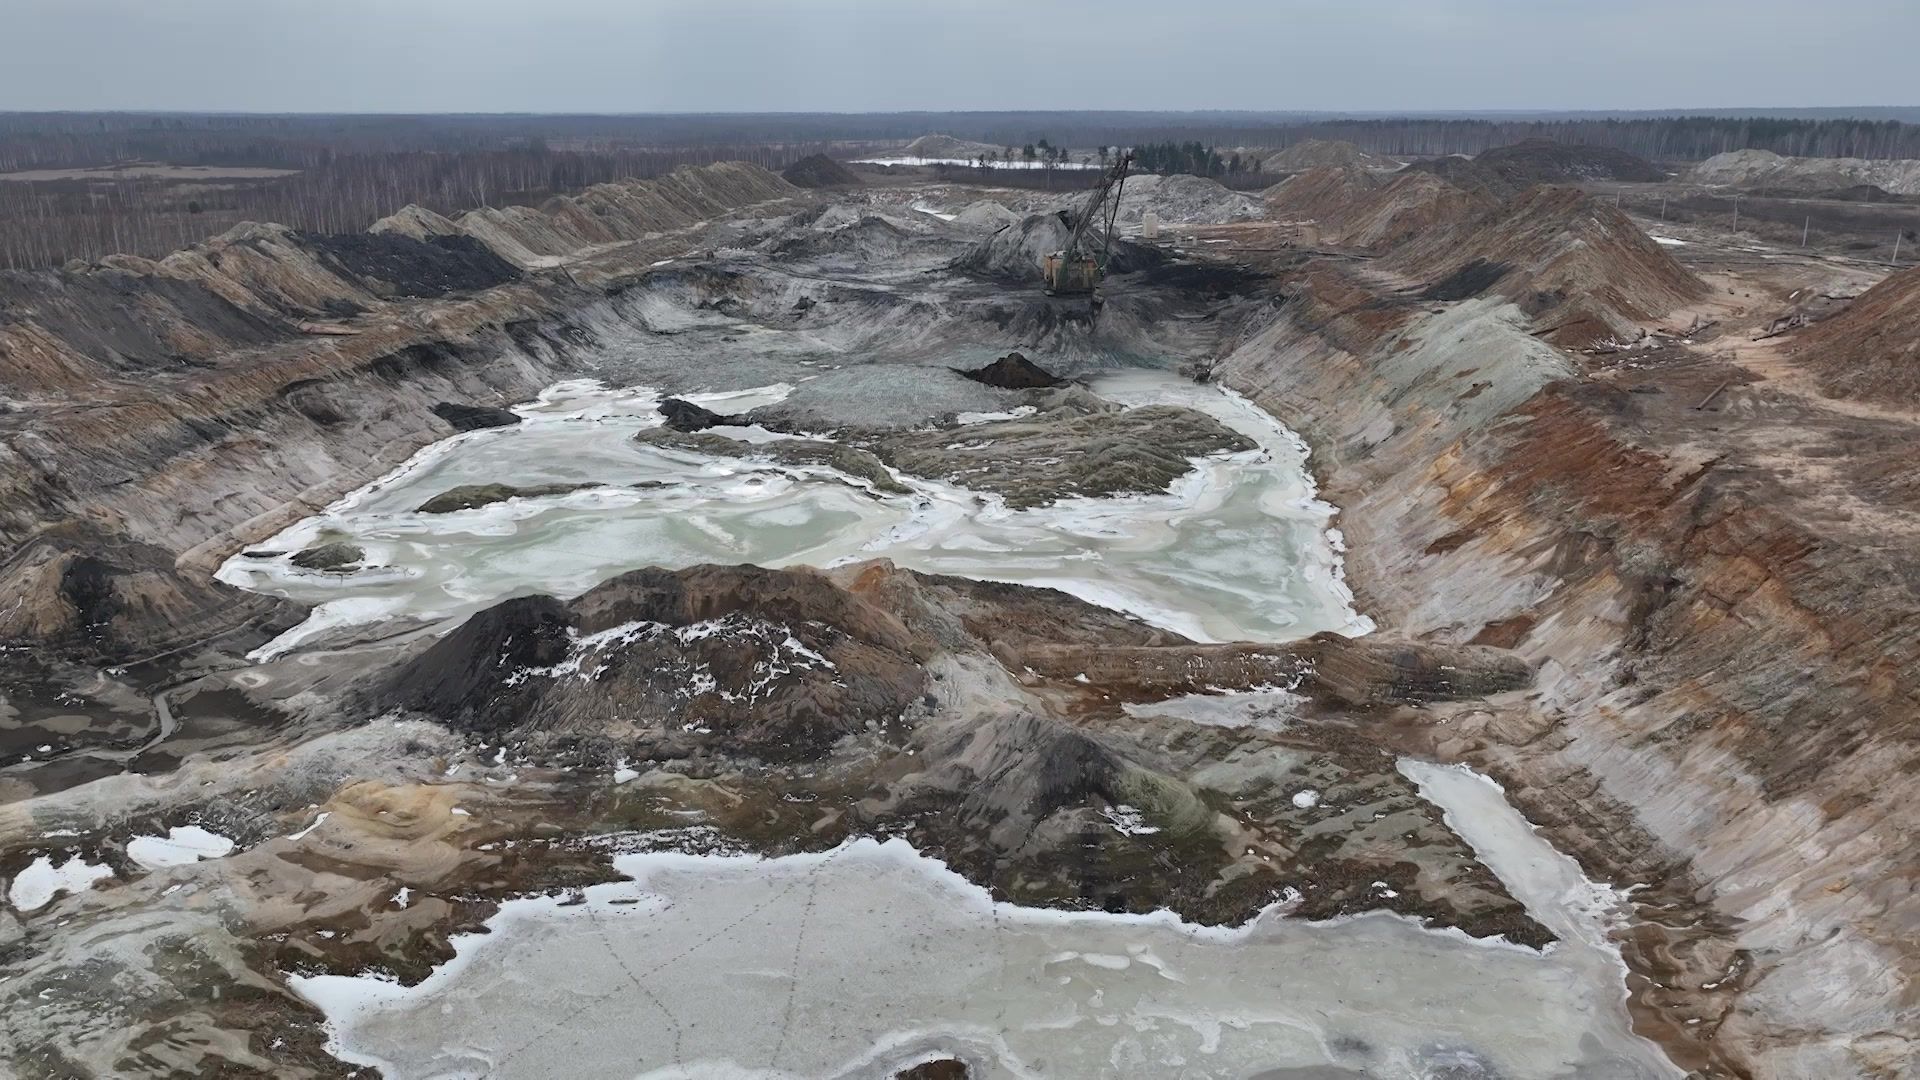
[(710, 627)]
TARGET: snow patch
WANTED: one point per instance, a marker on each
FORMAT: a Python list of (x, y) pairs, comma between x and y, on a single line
[(182, 846), (37, 885)]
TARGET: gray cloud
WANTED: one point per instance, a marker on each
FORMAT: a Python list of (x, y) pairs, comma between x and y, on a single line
[(862, 55)]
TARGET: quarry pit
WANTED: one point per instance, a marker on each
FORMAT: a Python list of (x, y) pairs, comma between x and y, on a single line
[(391, 684)]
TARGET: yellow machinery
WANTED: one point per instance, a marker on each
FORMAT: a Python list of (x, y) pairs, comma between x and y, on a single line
[(1074, 271)]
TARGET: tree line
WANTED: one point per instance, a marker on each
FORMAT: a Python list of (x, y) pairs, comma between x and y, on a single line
[(1679, 138), (1192, 157), (34, 140), (48, 222), (1165, 158)]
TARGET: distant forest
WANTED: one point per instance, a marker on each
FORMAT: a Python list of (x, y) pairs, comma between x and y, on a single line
[(349, 171), (40, 140), (46, 222)]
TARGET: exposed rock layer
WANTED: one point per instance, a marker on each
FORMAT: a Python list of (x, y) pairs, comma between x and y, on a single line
[(1716, 712)]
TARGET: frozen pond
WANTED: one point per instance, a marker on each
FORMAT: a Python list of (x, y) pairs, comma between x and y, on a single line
[(999, 163), (861, 960), (1238, 549)]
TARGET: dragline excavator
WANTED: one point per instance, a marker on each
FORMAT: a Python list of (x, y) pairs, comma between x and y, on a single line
[(1073, 270)]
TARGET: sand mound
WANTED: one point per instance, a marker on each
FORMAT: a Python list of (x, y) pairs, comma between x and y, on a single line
[(1468, 175), (1410, 207), (871, 236), (417, 222), (946, 146), (818, 171), (1014, 253), (1180, 200), (1014, 372), (1320, 193), (1581, 268), (1765, 169), (987, 213), (1871, 349), (1350, 207), (1321, 153)]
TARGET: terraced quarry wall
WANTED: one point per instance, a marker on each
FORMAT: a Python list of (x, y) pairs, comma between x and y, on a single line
[(1720, 712)]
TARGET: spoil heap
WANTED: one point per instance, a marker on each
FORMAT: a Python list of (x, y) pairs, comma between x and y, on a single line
[(946, 146), (819, 171), (1350, 207), (1580, 268), (1178, 200), (608, 213), (684, 416), (1409, 207), (1013, 254), (1320, 193), (1324, 153), (783, 664), (1871, 349), (1764, 169), (1505, 171), (91, 594), (1463, 172), (1014, 372), (986, 214), (253, 285), (1544, 161)]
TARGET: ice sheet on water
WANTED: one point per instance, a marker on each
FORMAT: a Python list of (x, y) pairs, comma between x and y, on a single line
[(888, 953), (1237, 549)]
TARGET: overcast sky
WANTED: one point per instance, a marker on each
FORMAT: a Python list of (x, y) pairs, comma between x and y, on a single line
[(880, 55)]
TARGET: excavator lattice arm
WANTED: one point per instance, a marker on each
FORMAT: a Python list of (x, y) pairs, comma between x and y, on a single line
[(1116, 176)]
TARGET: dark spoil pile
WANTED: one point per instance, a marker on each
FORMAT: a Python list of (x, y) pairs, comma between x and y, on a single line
[(818, 171)]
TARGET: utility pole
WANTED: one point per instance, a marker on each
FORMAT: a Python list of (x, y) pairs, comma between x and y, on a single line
[(1663, 208), (1804, 229), (1736, 215), (1897, 235)]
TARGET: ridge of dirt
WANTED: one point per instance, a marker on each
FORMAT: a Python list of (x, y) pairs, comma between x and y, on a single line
[(1871, 348), (1506, 171), (1321, 153), (1582, 269), (1351, 207), (609, 213), (1322, 191)]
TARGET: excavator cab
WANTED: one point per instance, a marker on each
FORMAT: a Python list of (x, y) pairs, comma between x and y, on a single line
[(1070, 277)]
